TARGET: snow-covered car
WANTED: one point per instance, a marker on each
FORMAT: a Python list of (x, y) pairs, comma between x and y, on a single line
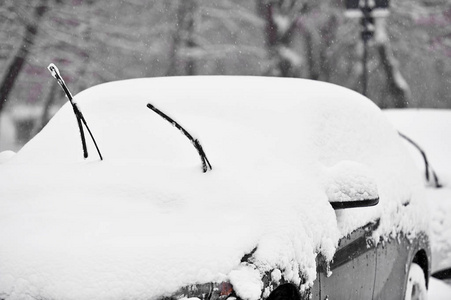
[(307, 193), (430, 129)]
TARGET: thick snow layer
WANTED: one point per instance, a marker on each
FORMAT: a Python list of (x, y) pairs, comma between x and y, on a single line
[(350, 181), (146, 220), (431, 130)]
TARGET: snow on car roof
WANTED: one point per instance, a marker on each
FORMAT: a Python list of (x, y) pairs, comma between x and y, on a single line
[(146, 220)]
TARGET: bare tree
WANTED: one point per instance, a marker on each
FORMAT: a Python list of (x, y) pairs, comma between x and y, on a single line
[(16, 64), (319, 27), (182, 61), (396, 83), (281, 21)]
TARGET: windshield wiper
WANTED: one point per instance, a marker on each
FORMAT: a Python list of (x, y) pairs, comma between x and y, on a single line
[(80, 118), (205, 163), (427, 166)]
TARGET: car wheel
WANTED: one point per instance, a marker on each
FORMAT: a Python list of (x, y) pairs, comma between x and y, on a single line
[(285, 291), (416, 284)]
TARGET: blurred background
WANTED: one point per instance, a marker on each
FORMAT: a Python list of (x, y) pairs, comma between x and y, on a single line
[(408, 57)]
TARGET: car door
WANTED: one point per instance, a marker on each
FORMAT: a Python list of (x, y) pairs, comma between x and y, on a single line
[(391, 270), (351, 274)]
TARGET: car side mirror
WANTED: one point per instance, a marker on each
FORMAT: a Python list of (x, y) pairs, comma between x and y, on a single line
[(350, 185), (444, 274)]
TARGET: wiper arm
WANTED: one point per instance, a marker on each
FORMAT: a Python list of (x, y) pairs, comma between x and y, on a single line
[(205, 163), (80, 118), (426, 162)]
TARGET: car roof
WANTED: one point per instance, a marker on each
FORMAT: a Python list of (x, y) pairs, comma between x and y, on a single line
[(268, 114)]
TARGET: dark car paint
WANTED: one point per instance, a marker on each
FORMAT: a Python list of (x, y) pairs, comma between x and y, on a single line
[(361, 270), (351, 274)]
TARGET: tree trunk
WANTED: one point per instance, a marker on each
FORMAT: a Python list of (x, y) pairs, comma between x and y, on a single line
[(284, 61), (328, 36), (397, 85), (182, 61), (14, 68), (311, 55)]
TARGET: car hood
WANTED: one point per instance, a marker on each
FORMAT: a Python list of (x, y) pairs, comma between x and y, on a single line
[(146, 220)]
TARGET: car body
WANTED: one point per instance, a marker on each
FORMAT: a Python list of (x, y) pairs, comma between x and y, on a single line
[(149, 222)]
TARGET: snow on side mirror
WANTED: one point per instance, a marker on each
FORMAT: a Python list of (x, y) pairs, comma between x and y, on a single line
[(350, 185)]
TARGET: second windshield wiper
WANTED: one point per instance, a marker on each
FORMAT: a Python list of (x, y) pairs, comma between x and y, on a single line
[(205, 163), (427, 165)]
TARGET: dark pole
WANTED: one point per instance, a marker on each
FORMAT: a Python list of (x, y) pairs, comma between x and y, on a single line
[(365, 11), (365, 68), (367, 34)]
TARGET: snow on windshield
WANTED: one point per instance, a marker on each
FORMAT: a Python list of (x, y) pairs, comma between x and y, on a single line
[(146, 220)]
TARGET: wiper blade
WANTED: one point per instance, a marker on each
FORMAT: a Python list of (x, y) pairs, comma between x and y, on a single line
[(80, 118), (205, 163), (427, 165)]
